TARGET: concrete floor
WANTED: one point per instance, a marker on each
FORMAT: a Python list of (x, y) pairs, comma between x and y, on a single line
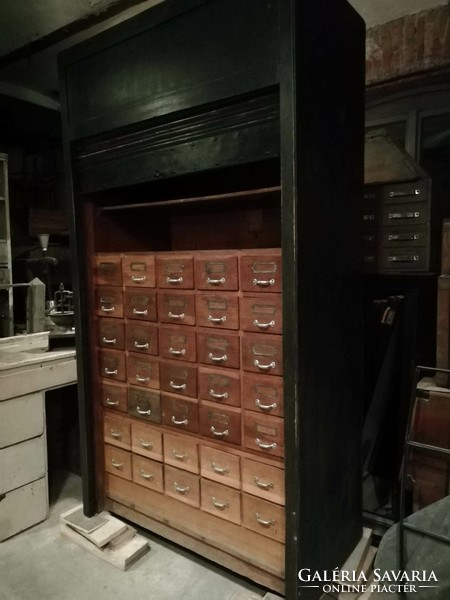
[(39, 564)]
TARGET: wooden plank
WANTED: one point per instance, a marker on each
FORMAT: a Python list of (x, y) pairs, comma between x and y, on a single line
[(34, 341), (23, 507), (22, 463), (15, 422)]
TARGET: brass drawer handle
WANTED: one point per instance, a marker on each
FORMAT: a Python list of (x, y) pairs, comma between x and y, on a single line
[(217, 396), (172, 315), (256, 323), (265, 406), (405, 215), (147, 476), (264, 282), (181, 490), (176, 386), (265, 446), (109, 340), (181, 352), (107, 309), (219, 470), (110, 402), (179, 456), (142, 313), (115, 464), (397, 194), (224, 433), (137, 279), (141, 411), (116, 434), (271, 365), (175, 422), (401, 258), (222, 358), (142, 379), (212, 319), (262, 484), (111, 371), (263, 522), (215, 281), (140, 346), (403, 237), (219, 505), (146, 445), (174, 280)]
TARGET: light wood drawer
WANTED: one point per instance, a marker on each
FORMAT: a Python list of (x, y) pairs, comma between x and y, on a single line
[(21, 419), (261, 313), (111, 334), (218, 349), (114, 396), (264, 434), (261, 272), (111, 364), (263, 480), (140, 304), (178, 378), (23, 507), (216, 272), (22, 463), (148, 473), (107, 269), (138, 270), (180, 413), (176, 307), (118, 462), (220, 424), (262, 353), (264, 517), (217, 310), (263, 393), (181, 452), (141, 337), (147, 441), (182, 485), (109, 302), (177, 343), (144, 404), (221, 501), (143, 371), (219, 385), (117, 432), (175, 271), (220, 466)]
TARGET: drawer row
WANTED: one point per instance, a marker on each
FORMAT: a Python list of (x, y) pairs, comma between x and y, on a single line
[(246, 270)]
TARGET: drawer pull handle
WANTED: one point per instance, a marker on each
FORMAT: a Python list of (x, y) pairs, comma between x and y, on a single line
[(142, 313), (172, 315), (109, 340), (219, 505), (405, 215), (177, 386), (110, 402), (181, 490), (107, 309), (176, 422), (111, 371), (116, 434), (141, 411), (262, 484), (181, 352), (265, 446), (142, 379), (179, 456), (174, 280), (256, 323), (400, 258), (219, 470), (265, 406), (215, 281), (217, 396), (222, 358), (263, 522), (147, 476), (403, 237), (271, 365), (212, 319), (146, 445), (397, 194), (224, 433), (138, 345), (264, 282), (137, 279), (115, 464)]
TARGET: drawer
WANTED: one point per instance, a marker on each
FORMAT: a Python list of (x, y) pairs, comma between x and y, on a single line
[(182, 485), (148, 473), (262, 353), (178, 343), (175, 271), (141, 337), (264, 434), (411, 213), (219, 385), (261, 313), (143, 370), (221, 501), (178, 378), (220, 466), (404, 237), (118, 462), (263, 393), (217, 310), (263, 517), (23, 507), (216, 272), (147, 441), (261, 272), (408, 259), (117, 432), (176, 307), (107, 269), (111, 334), (405, 192), (140, 304), (111, 364), (138, 270), (180, 413), (109, 302), (263, 480), (221, 350), (114, 396), (220, 424), (144, 404), (15, 422), (181, 452), (22, 463)]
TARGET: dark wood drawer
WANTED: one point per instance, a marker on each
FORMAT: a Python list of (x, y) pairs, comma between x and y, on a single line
[(263, 393), (118, 462), (111, 334), (148, 473), (220, 424), (140, 304), (264, 517), (109, 302), (264, 434), (175, 271), (405, 192), (182, 485), (261, 313), (138, 270), (107, 269), (407, 259), (220, 466), (181, 451), (219, 385), (178, 378), (114, 396), (404, 237), (143, 370), (179, 413), (262, 353), (117, 432), (146, 440), (261, 272), (144, 404), (216, 272), (178, 343), (412, 214), (111, 364), (176, 307), (142, 337), (263, 480), (217, 310), (219, 349), (221, 501)]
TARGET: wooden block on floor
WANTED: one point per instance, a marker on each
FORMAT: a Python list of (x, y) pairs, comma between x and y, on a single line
[(110, 527), (127, 535), (76, 518)]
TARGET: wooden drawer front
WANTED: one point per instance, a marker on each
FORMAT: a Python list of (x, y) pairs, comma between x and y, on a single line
[(109, 302), (22, 463), (118, 462), (261, 314), (182, 485), (23, 507), (180, 413), (263, 480), (221, 501), (409, 259), (411, 213), (220, 466), (111, 334), (218, 310), (404, 237), (175, 271), (219, 385), (262, 353), (178, 378), (15, 422), (141, 337), (117, 432), (178, 343), (264, 517), (405, 192), (140, 305), (263, 393), (143, 370), (221, 350), (111, 364), (261, 272), (107, 269), (216, 273), (181, 452), (264, 434), (220, 424), (147, 441), (148, 473), (144, 404), (176, 307), (114, 396), (138, 270)]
